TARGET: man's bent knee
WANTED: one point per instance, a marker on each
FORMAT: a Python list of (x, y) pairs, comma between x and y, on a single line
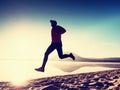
[(61, 57)]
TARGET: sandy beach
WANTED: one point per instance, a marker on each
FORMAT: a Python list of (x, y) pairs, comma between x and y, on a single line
[(102, 80)]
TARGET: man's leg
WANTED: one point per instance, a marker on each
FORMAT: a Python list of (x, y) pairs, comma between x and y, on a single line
[(60, 52), (48, 51)]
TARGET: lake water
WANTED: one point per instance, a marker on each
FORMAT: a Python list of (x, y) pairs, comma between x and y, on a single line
[(19, 71)]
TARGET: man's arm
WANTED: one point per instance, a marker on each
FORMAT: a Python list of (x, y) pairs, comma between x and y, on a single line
[(61, 30)]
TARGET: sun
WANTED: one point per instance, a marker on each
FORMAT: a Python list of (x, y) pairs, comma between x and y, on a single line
[(23, 39), (21, 42)]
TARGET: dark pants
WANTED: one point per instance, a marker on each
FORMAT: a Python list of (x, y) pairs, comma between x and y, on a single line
[(52, 47)]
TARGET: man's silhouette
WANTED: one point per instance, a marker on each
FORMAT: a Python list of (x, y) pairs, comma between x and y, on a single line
[(56, 43)]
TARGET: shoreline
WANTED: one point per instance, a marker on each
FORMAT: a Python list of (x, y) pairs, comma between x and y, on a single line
[(105, 80)]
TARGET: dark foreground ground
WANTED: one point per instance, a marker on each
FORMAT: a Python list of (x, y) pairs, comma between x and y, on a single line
[(104, 80)]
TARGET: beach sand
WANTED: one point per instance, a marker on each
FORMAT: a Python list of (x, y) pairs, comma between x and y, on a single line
[(102, 80)]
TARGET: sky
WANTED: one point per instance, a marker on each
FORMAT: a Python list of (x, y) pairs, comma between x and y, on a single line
[(92, 26)]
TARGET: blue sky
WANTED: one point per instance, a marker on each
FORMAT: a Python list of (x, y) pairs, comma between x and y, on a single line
[(89, 23)]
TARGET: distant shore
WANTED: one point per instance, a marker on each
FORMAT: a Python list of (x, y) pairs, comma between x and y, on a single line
[(108, 79)]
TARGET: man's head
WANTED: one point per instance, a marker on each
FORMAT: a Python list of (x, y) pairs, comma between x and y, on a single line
[(53, 23)]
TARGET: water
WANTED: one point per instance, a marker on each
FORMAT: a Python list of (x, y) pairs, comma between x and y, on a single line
[(19, 71)]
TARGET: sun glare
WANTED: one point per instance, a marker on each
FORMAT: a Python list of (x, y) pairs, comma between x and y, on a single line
[(23, 39), (19, 80)]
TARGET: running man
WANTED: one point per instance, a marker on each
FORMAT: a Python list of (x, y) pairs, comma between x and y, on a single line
[(56, 43)]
